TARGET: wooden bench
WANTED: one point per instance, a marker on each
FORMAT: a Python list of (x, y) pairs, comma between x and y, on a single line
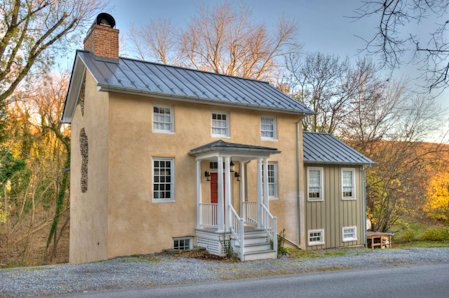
[(379, 240)]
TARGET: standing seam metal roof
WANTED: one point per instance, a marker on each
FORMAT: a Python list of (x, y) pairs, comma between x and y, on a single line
[(324, 148), (172, 81)]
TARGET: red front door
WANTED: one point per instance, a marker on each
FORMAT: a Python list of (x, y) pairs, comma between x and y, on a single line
[(214, 187)]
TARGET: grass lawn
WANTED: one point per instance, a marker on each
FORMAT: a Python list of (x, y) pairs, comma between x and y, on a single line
[(421, 244)]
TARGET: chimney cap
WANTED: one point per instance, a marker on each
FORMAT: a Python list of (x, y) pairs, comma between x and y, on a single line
[(105, 19)]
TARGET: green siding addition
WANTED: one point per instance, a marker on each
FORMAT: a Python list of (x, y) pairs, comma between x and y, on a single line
[(334, 213)]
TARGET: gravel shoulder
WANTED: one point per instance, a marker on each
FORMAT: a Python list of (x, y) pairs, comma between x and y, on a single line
[(160, 270)]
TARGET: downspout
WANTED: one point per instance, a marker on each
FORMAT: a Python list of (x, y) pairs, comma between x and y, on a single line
[(298, 196), (364, 204)]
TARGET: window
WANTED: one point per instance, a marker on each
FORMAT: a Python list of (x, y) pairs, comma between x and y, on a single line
[(162, 119), (268, 128), (182, 243), (220, 125), (315, 184), (163, 173), (272, 179), (349, 234), (348, 183), (316, 237)]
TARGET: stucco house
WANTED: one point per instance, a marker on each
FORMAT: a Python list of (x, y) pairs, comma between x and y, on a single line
[(165, 157)]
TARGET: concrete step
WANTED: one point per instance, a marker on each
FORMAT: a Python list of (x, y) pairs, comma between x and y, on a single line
[(259, 255)]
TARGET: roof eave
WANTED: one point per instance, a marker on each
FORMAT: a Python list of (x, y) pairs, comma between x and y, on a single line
[(346, 163), (111, 88)]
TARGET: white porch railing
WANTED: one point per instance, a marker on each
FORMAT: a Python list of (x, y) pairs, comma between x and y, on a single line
[(209, 215), (269, 224), (249, 212), (238, 230)]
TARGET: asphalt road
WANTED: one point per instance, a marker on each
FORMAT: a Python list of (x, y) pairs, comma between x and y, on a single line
[(408, 281)]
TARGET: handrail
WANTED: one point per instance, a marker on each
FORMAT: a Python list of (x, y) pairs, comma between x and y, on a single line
[(238, 230), (250, 212), (269, 223)]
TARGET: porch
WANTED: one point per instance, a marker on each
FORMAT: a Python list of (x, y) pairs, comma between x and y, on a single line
[(245, 225)]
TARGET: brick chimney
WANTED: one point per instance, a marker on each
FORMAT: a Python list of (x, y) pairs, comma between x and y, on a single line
[(102, 38)]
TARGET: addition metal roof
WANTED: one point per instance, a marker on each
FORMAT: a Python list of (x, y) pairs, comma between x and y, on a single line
[(149, 78), (222, 146), (324, 148)]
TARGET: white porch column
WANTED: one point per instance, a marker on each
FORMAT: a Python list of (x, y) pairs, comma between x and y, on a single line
[(199, 216), (242, 191), (265, 183), (259, 193), (228, 193), (220, 205)]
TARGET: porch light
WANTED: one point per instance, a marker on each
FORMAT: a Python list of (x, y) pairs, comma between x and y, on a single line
[(207, 175), (231, 166), (237, 175)]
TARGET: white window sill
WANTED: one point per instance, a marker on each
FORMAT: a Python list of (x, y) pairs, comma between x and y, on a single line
[(349, 240), (315, 200), (349, 199), (160, 201), (273, 198), (316, 243), (220, 136), (269, 139), (164, 132)]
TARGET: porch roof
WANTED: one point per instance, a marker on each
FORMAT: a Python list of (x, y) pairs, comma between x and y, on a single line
[(221, 146)]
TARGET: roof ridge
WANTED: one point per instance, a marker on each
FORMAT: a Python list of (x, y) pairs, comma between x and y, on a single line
[(182, 67), (318, 133)]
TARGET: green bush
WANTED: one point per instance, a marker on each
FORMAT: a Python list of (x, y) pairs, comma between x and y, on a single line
[(435, 234), (407, 235)]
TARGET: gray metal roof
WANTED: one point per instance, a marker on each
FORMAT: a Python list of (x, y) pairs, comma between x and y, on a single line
[(323, 148), (222, 146), (141, 77)]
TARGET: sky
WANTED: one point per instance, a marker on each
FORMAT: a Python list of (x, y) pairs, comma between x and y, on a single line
[(325, 26)]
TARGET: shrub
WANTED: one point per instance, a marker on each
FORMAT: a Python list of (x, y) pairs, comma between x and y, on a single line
[(435, 234), (407, 235)]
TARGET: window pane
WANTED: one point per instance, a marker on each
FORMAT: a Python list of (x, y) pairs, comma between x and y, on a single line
[(162, 180), (268, 127), (162, 119), (220, 124)]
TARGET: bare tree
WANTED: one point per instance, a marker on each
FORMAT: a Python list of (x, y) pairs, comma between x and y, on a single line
[(221, 40), (29, 29), (328, 85), (395, 39)]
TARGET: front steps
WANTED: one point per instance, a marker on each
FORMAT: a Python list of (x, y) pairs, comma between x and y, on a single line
[(257, 245)]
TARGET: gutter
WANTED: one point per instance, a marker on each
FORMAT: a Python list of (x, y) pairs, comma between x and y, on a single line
[(298, 196), (364, 205)]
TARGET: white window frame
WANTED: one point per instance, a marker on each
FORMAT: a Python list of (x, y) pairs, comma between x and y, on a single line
[(312, 243), (353, 197), (348, 239), (172, 119), (276, 180), (275, 134), (321, 199), (190, 239), (172, 180), (228, 125)]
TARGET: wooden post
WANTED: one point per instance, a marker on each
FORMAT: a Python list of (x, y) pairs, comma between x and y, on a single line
[(242, 191), (259, 193), (199, 215), (265, 183), (220, 205), (228, 193)]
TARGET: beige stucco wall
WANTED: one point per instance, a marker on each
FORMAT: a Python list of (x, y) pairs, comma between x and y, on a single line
[(138, 225), (334, 213), (88, 211)]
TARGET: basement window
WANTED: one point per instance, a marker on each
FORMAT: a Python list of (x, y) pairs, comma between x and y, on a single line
[(182, 243), (316, 237), (349, 234)]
